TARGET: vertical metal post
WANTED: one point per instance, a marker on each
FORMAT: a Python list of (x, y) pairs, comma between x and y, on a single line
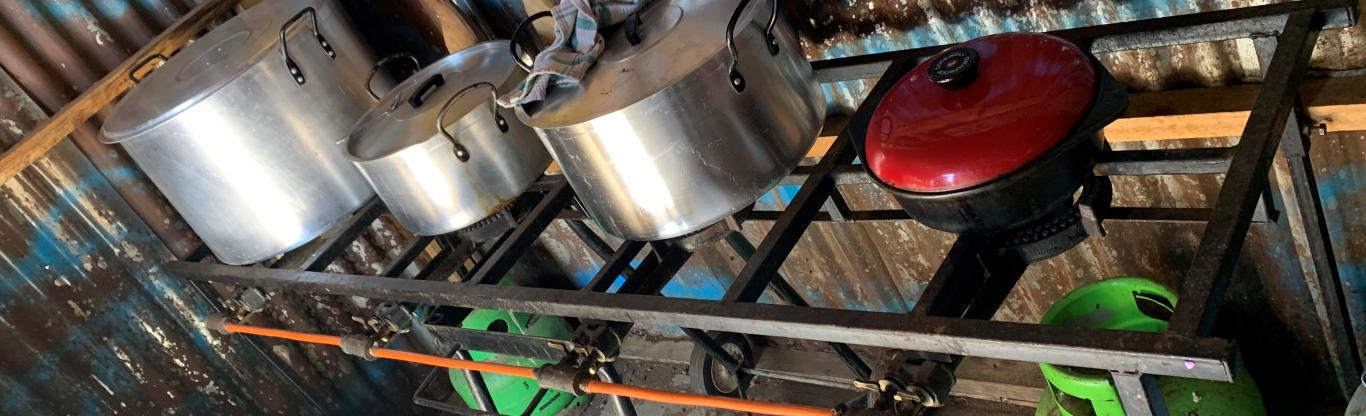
[(1205, 281), (1139, 394), (1331, 303), (482, 398)]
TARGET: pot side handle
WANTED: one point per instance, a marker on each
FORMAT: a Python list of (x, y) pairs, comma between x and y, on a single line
[(737, 80), (293, 68), (460, 152)]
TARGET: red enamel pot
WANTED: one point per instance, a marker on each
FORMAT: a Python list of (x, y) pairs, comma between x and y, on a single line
[(989, 134)]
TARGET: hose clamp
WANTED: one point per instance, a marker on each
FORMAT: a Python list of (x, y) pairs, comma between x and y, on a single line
[(563, 377), (358, 345)]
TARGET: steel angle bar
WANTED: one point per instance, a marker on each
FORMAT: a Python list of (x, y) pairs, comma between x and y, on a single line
[(1164, 161), (541, 348), (497, 264), (790, 225), (1148, 353), (1216, 258), (322, 251), (1139, 394), (787, 293), (815, 190)]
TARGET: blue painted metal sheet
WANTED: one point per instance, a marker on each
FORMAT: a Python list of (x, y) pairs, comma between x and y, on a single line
[(91, 326)]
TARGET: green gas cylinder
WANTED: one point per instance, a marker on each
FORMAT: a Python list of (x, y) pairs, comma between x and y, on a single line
[(512, 394), (1133, 304)]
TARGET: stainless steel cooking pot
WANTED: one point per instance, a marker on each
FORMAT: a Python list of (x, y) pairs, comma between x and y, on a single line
[(439, 152), (239, 129), (685, 126)]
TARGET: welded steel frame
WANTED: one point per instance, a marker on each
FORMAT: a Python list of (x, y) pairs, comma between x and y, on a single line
[(951, 318)]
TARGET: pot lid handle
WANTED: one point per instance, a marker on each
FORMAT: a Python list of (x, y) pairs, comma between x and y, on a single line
[(132, 72), (382, 62), (294, 70), (955, 68), (460, 151), (737, 80)]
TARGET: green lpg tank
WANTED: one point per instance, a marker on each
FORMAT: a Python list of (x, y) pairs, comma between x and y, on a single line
[(512, 394), (1133, 304)]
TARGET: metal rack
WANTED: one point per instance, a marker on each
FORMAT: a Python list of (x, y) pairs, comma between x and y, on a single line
[(952, 317)]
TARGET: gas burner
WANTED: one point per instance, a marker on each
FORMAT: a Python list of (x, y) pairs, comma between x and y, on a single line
[(490, 227), (1062, 229)]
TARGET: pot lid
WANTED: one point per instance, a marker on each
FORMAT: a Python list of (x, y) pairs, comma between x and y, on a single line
[(676, 38), (211, 62), (406, 116), (978, 111)]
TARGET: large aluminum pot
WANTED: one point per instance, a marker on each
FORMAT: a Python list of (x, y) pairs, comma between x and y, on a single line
[(677, 131), (240, 132), (437, 149)]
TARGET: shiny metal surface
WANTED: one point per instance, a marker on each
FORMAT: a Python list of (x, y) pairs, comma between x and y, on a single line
[(243, 152), (694, 151), (415, 169)]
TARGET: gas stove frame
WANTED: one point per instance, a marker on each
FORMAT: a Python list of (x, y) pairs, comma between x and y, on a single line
[(952, 317)]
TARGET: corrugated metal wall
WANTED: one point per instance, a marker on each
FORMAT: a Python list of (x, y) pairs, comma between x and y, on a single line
[(93, 327), (833, 29)]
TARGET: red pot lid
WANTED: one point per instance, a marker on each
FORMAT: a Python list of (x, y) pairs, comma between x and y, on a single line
[(978, 111)]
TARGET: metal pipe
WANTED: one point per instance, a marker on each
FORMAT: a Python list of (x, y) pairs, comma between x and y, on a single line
[(482, 398)]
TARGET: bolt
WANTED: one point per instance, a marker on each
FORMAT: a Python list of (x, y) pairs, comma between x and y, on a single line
[(1322, 129)]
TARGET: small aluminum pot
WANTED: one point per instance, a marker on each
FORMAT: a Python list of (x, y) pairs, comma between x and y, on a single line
[(685, 122), (438, 151), (238, 129)]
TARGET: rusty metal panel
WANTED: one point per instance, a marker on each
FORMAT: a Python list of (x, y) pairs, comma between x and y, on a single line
[(98, 329), (833, 29), (55, 49), (92, 326)]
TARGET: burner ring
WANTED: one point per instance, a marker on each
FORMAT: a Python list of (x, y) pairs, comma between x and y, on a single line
[(1059, 231)]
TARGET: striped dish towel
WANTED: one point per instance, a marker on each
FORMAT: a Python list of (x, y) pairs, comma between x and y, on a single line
[(576, 47)]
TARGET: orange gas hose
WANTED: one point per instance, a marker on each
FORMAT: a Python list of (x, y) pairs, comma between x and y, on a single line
[(593, 386), (285, 334)]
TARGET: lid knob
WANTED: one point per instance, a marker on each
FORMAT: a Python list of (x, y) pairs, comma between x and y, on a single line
[(954, 68)]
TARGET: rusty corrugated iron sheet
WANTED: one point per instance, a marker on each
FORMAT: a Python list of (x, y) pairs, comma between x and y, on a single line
[(100, 330), (56, 49), (833, 29), (91, 326)]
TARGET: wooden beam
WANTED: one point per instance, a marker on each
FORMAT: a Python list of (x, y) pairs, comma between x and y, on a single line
[(1338, 103), (103, 92)]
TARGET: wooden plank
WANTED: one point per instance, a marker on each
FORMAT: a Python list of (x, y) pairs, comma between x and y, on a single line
[(1338, 103), (103, 92)]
